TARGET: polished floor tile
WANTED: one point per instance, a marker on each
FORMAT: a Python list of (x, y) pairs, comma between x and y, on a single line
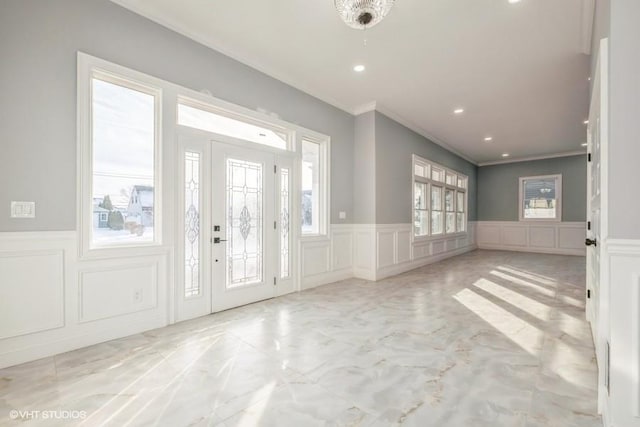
[(484, 339)]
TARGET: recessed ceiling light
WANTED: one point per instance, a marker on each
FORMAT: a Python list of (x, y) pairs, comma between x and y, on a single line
[(584, 144), (458, 111), (514, 1), (358, 68), (505, 154), (586, 122), (488, 139)]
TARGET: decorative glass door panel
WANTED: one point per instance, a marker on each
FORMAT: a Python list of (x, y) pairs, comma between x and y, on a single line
[(193, 278), (245, 221), (192, 224), (285, 224)]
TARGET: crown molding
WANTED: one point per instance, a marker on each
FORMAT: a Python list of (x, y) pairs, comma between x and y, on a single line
[(221, 48), (422, 132), (528, 159), (364, 108)]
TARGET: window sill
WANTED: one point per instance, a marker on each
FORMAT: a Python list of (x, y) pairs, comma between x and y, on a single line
[(427, 239), (538, 220), (110, 252), (314, 237)]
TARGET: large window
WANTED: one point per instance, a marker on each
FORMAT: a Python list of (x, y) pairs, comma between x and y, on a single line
[(313, 197), (541, 198), (440, 200), (124, 134)]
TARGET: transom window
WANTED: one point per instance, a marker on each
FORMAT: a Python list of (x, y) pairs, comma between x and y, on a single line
[(439, 199), (192, 114), (541, 198)]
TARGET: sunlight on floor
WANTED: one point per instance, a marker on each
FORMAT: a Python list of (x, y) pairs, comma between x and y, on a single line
[(256, 408), (528, 337), (530, 276), (533, 307), (522, 282)]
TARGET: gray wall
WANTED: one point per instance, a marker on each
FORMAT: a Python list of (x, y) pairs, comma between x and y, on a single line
[(395, 144), (624, 120), (364, 181), (600, 30), (38, 45), (498, 191)]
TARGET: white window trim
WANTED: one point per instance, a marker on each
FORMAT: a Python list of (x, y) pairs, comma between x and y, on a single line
[(325, 181), (166, 155), (88, 68), (558, 218), (415, 159)]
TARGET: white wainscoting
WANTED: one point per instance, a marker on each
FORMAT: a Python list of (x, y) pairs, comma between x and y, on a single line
[(385, 250), (373, 252), (564, 238), (327, 259), (52, 302), (624, 326)]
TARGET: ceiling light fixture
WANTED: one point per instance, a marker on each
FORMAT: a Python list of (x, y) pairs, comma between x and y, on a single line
[(584, 144), (458, 111), (488, 139), (358, 68), (514, 1), (586, 122), (505, 154), (363, 14)]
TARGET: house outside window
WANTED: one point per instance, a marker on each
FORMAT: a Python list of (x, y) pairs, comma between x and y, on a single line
[(541, 198)]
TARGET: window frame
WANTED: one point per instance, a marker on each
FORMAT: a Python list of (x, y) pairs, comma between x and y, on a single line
[(433, 167), (88, 69), (222, 111), (558, 216), (324, 182)]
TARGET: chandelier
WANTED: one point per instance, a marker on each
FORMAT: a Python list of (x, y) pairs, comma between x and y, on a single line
[(363, 14)]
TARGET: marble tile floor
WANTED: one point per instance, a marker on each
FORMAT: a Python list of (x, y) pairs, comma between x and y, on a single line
[(484, 339)]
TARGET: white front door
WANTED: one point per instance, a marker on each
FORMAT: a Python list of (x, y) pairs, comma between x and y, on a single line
[(245, 242), (236, 239)]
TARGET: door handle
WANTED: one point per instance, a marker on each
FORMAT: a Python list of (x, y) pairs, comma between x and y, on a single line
[(591, 242), (218, 240)]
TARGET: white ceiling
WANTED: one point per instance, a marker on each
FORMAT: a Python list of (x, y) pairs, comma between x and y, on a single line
[(519, 70)]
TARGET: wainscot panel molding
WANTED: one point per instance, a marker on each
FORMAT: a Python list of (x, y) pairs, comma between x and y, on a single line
[(563, 238), (329, 259), (374, 252), (624, 317), (384, 250), (52, 302)]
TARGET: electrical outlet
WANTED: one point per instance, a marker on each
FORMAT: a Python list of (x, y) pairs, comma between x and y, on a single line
[(342, 215), (137, 296)]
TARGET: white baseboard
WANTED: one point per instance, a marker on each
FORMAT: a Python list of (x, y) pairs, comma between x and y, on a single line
[(560, 238), (408, 266), (38, 349)]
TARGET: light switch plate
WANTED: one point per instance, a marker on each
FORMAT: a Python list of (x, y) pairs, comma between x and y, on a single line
[(342, 215), (23, 209)]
